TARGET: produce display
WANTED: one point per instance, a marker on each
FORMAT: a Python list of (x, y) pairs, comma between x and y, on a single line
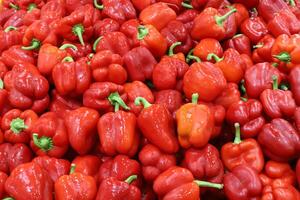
[(150, 99)]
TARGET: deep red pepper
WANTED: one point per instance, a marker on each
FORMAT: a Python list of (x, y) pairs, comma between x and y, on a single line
[(187, 18), (53, 10), (107, 25), (228, 96), (32, 15), (129, 28), (11, 36), (3, 178), (72, 5), (16, 19), (268, 9), (171, 99), (15, 54), (239, 42), (262, 50), (81, 51), (241, 13), (295, 83), (87, 165)]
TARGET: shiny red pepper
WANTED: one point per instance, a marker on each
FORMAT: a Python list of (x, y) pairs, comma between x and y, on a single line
[(72, 5), (207, 46), (87, 165), (241, 43), (81, 51), (3, 178), (107, 25), (171, 99), (129, 28), (53, 10), (11, 36), (228, 96), (15, 54), (262, 50), (295, 83)]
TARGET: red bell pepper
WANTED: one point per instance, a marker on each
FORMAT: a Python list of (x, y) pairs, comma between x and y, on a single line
[(15, 54), (72, 5), (158, 14), (279, 140), (262, 50), (139, 63), (242, 183), (154, 161), (187, 18), (179, 182), (87, 165), (49, 136), (210, 23), (81, 126), (33, 14), (207, 46), (3, 178), (6, 14), (242, 152), (71, 77), (240, 43), (16, 20), (205, 163), (297, 118), (120, 167), (107, 66), (129, 28), (171, 99), (53, 10), (107, 25), (27, 4), (27, 88), (17, 125), (114, 189), (140, 5), (75, 186), (157, 125), (200, 73), (11, 36), (228, 96), (249, 4), (295, 83), (81, 51), (137, 89), (259, 77), (241, 12), (29, 181), (54, 167)]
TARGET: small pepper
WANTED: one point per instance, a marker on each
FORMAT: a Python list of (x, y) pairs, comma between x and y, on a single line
[(240, 43), (87, 165), (295, 83), (10, 36), (262, 50), (242, 152), (207, 46)]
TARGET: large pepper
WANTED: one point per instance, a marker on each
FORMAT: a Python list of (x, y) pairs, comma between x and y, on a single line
[(120, 167), (78, 26), (139, 63), (17, 125), (27, 89), (11, 36), (29, 181), (195, 124), (242, 152), (210, 23), (204, 163), (240, 43), (168, 73), (107, 66), (117, 130), (114, 189), (107, 25), (295, 83), (13, 155), (154, 161), (129, 28), (75, 186), (279, 140), (97, 95), (15, 54), (55, 167), (269, 8), (87, 165), (152, 39), (259, 77), (71, 77), (178, 182), (242, 183), (248, 114), (49, 136), (228, 96), (81, 126), (158, 14), (205, 79), (207, 46), (157, 125), (53, 10), (278, 103), (262, 50), (16, 20)]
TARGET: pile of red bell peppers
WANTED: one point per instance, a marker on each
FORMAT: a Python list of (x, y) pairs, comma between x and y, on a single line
[(150, 99)]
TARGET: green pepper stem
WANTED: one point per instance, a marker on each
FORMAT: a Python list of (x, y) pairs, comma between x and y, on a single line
[(237, 35), (149, 84), (13, 6), (98, 6), (1, 84), (64, 46), (214, 56), (142, 32), (283, 56), (221, 19), (44, 143), (292, 3), (190, 57), (172, 47), (96, 43), (244, 99), (275, 82), (140, 100), (130, 179), (17, 125), (8, 198), (68, 59), (195, 98), (197, 59), (259, 45), (31, 6), (72, 168), (209, 184), (115, 100), (242, 87), (274, 64), (78, 30), (35, 44), (186, 5), (237, 139), (284, 87), (9, 28)]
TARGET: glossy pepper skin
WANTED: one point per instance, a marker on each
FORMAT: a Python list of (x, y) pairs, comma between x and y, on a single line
[(295, 83), (199, 73), (279, 140), (248, 114), (157, 125), (75, 186), (139, 63), (262, 50), (207, 46), (55, 167), (210, 23), (154, 161), (15, 54), (3, 178), (242, 183), (272, 7), (107, 25), (228, 96), (82, 50), (27, 88), (10, 36), (81, 126), (195, 124), (242, 152), (52, 11), (107, 66), (71, 77), (49, 136), (112, 188), (17, 125), (205, 163), (87, 165), (29, 181), (171, 99), (240, 43), (259, 77), (129, 28)]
